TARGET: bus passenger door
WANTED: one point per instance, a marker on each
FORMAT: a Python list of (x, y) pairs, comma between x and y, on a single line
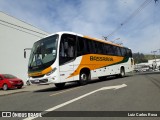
[(67, 57)]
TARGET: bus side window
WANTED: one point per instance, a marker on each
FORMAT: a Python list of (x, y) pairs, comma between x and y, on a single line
[(67, 48), (81, 47), (96, 47), (114, 49), (100, 48), (129, 53), (124, 52), (118, 51), (106, 49), (110, 50), (91, 45)]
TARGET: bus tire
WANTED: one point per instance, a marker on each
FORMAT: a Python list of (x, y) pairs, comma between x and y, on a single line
[(122, 72), (84, 78), (59, 85)]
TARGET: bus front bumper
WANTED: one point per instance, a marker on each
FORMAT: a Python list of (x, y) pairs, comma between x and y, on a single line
[(42, 81)]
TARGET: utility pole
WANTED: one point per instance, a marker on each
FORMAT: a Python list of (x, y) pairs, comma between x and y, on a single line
[(154, 63)]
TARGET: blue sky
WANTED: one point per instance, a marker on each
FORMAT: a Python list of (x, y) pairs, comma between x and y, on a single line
[(95, 18)]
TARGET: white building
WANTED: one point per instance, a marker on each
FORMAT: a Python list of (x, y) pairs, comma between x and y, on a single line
[(15, 35), (151, 64), (154, 60), (155, 63)]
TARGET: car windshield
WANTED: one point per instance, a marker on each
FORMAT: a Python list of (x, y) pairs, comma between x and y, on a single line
[(8, 76), (43, 53)]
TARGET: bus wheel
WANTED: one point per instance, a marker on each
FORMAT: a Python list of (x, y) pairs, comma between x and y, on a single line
[(122, 72), (84, 78), (60, 85)]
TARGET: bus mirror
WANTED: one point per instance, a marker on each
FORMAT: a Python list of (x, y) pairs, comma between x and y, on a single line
[(25, 51)]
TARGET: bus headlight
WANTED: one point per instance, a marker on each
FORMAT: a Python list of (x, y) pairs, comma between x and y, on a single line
[(52, 71)]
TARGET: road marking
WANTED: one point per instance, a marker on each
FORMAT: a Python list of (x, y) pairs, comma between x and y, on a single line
[(113, 87), (65, 91), (78, 98)]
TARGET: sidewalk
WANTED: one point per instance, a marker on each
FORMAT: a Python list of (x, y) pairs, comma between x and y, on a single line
[(25, 89)]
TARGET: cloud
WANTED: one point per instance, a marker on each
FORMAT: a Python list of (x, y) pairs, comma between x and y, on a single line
[(95, 18), (148, 40)]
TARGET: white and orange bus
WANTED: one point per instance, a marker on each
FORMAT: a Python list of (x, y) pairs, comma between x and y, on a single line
[(66, 56)]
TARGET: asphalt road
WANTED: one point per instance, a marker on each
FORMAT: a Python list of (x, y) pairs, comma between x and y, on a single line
[(140, 92)]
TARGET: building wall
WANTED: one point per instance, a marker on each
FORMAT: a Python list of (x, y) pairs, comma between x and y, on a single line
[(151, 61), (15, 35)]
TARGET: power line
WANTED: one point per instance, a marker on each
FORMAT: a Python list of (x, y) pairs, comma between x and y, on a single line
[(22, 27), (142, 6)]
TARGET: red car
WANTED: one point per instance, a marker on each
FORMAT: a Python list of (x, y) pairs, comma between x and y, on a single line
[(8, 81)]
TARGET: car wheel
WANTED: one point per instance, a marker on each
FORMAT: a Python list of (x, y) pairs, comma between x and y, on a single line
[(5, 87)]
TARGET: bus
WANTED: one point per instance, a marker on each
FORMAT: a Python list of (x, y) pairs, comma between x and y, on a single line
[(66, 57)]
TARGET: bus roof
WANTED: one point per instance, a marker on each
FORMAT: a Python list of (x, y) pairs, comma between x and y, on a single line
[(87, 37)]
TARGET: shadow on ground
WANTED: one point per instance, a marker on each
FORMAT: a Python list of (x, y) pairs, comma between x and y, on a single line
[(75, 84)]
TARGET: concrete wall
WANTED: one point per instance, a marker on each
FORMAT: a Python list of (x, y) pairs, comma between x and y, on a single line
[(151, 61), (15, 35)]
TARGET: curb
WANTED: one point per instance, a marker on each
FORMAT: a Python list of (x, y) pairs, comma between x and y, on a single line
[(25, 88)]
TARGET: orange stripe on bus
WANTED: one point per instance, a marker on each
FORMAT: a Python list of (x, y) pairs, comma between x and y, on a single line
[(86, 62), (45, 71)]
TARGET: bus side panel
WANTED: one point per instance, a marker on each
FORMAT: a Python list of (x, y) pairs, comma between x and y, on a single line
[(78, 65), (129, 67), (106, 71), (114, 69), (93, 74), (65, 71)]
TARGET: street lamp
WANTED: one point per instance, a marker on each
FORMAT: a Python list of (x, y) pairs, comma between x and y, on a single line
[(25, 51)]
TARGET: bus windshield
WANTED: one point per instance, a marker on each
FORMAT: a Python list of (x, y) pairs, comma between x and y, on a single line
[(43, 53)]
